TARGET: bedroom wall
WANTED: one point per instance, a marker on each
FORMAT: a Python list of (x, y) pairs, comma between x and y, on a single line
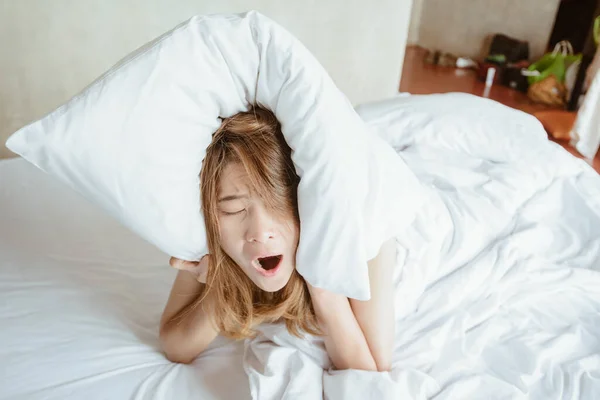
[(53, 49), (415, 22), (460, 26)]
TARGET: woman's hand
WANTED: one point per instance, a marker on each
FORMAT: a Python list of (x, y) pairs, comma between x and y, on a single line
[(198, 269)]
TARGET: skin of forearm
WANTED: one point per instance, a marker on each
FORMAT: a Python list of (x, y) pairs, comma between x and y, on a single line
[(344, 341), (187, 334), (376, 316)]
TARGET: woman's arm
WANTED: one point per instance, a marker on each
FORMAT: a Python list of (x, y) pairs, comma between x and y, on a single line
[(376, 316), (344, 340), (360, 334), (186, 332)]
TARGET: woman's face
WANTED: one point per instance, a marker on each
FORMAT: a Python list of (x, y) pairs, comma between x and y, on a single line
[(262, 244)]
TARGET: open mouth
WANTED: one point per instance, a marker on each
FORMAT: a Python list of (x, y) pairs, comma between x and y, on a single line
[(269, 263)]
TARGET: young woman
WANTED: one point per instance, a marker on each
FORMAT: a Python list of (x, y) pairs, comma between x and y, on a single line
[(248, 186)]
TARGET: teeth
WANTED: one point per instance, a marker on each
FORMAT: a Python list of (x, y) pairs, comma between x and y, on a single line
[(256, 264)]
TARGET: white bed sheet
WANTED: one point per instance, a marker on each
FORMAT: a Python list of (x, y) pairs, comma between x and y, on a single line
[(80, 302), (497, 295), (498, 279)]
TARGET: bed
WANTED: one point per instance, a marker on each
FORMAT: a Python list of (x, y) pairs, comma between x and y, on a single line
[(80, 302), (497, 287)]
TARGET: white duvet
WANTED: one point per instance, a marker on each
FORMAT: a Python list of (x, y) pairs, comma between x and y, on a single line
[(498, 292)]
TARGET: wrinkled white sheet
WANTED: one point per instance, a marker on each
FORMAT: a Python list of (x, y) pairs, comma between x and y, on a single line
[(498, 296), (498, 287)]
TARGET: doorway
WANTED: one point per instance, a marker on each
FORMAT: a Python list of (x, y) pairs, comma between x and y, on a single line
[(573, 22)]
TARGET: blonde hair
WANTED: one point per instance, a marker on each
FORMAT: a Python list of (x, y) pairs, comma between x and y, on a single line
[(254, 140)]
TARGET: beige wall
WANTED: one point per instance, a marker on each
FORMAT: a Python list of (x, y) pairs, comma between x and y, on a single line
[(50, 50), (461, 26), (415, 22)]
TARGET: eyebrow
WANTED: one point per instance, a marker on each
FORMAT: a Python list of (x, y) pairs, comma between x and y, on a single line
[(232, 197)]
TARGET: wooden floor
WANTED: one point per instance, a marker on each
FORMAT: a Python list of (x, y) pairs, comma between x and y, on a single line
[(421, 78)]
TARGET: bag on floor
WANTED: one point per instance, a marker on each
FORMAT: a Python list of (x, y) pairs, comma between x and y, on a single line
[(547, 75), (555, 63)]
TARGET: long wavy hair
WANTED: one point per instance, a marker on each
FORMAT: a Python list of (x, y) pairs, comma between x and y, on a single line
[(254, 140)]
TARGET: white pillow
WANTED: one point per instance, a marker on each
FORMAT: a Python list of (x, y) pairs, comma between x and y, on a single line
[(134, 141), (470, 124)]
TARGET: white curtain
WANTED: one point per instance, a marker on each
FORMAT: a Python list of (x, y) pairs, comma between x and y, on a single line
[(586, 130), (592, 71)]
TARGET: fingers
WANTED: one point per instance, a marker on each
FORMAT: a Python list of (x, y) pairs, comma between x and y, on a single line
[(182, 265), (204, 261)]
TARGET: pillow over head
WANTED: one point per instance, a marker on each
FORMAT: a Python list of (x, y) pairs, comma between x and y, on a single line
[(134, 141)]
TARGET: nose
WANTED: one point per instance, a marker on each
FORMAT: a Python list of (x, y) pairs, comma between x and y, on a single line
[(260, 226)]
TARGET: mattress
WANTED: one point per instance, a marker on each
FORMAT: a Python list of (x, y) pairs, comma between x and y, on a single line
[(497, 293), (80, 303)]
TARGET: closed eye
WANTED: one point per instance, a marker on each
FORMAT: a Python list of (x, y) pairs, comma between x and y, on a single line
[(234, 212)]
